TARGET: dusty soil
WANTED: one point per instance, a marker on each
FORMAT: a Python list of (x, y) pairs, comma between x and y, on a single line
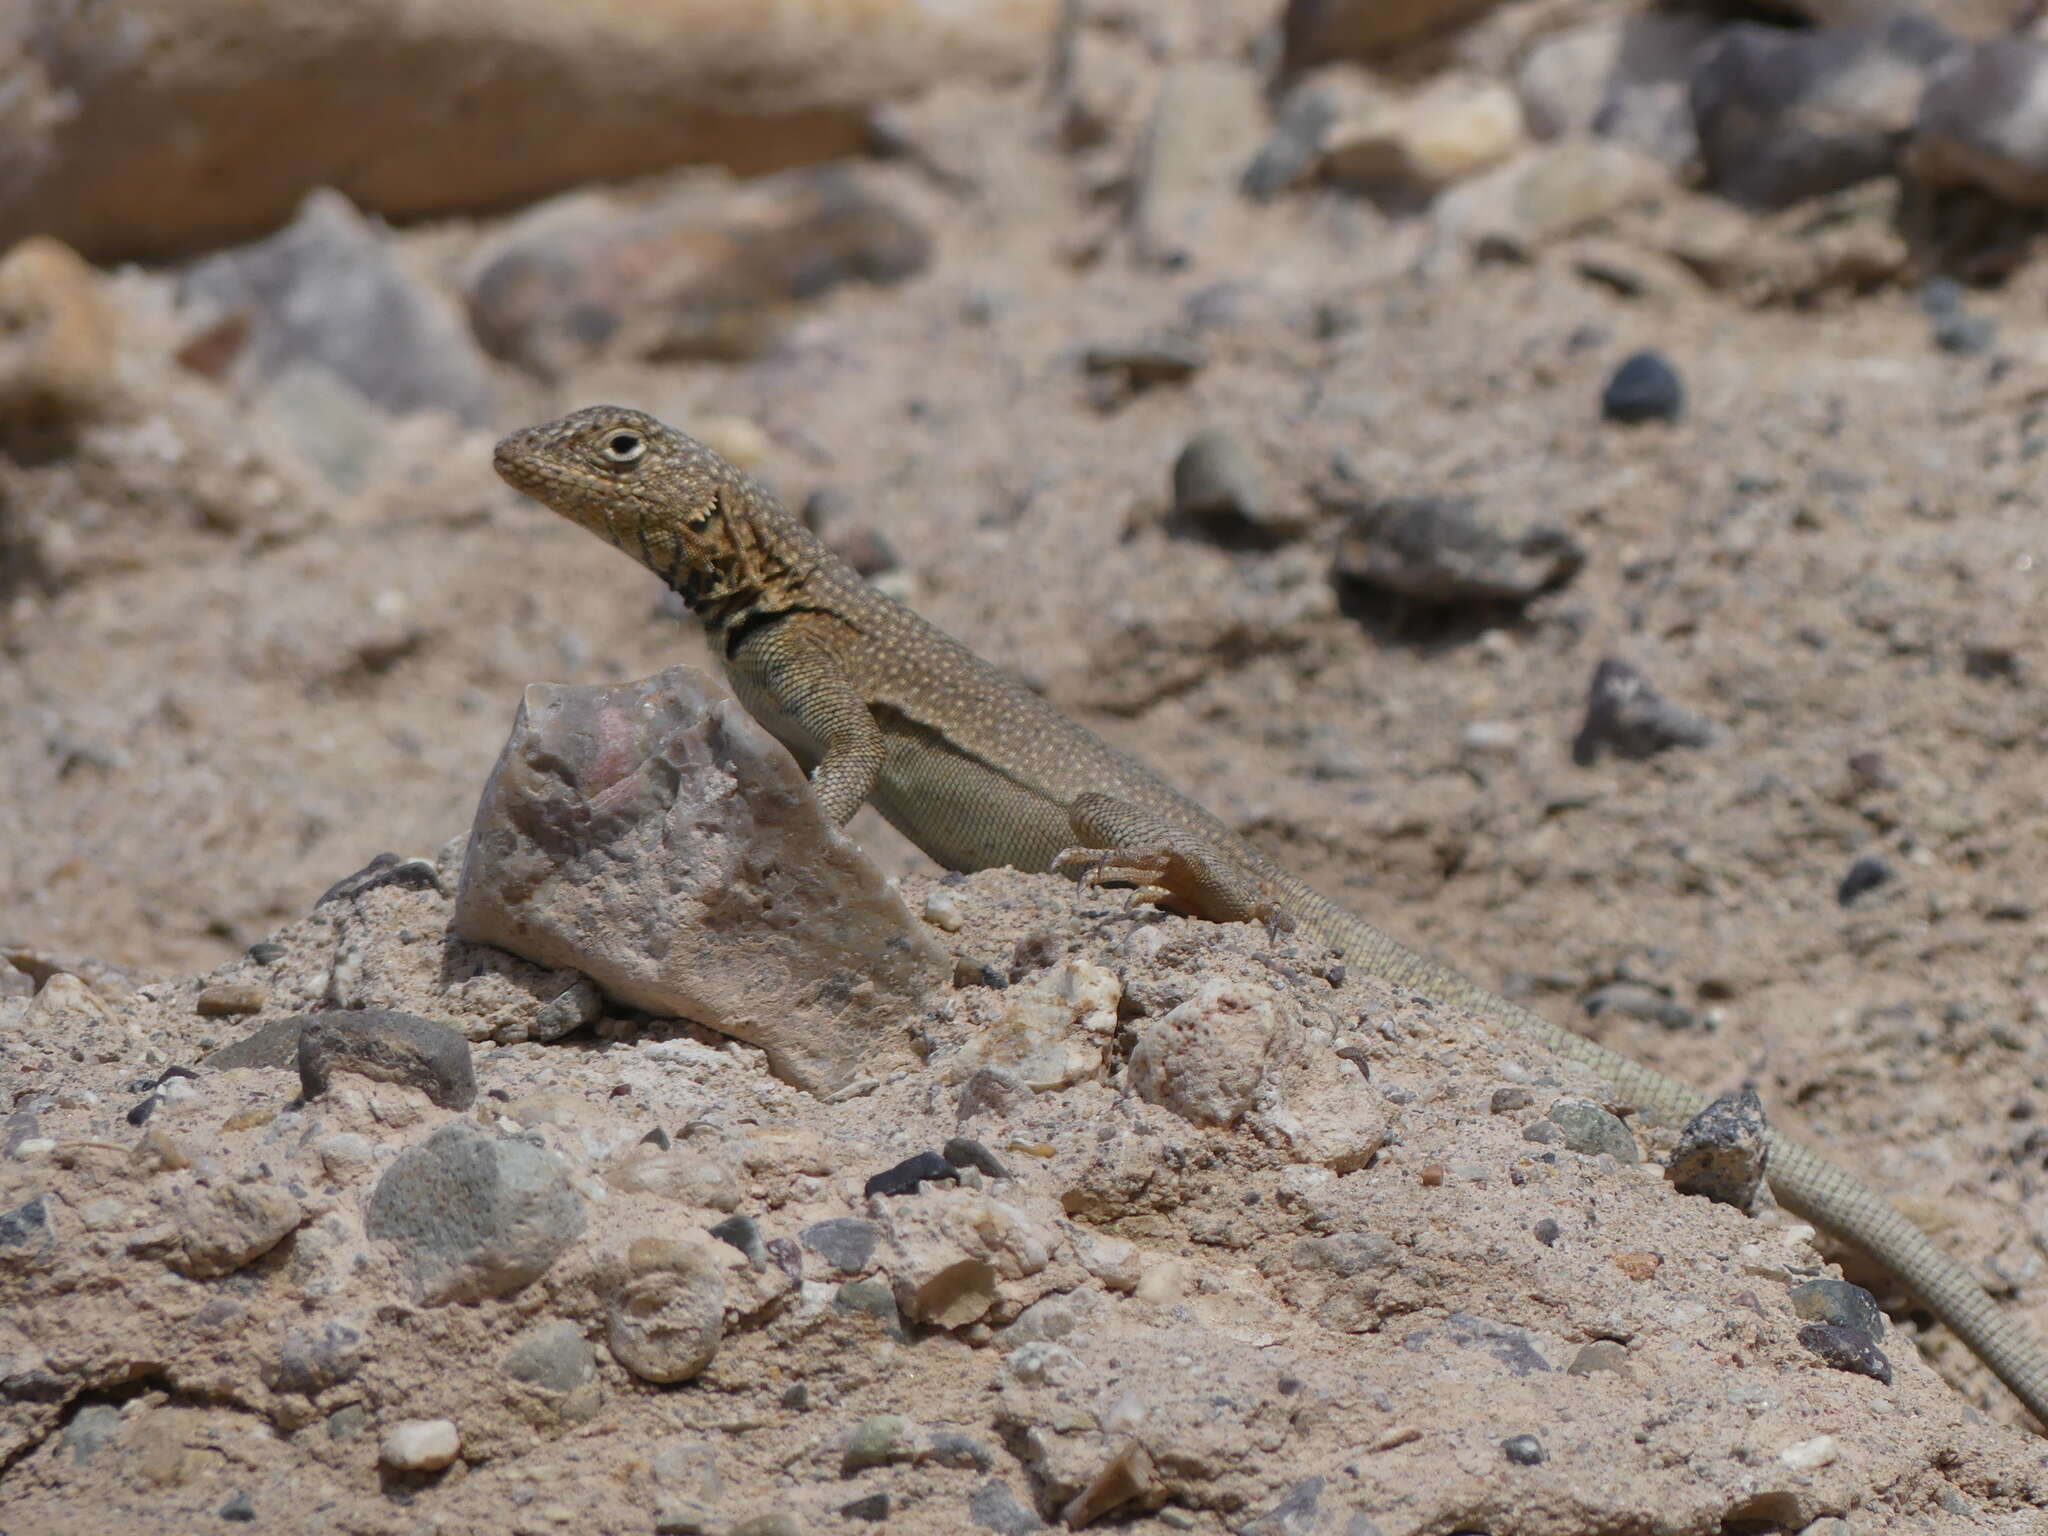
[(1835, 556)]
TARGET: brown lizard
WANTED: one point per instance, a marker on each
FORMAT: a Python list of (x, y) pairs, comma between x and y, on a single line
[(881, 707)]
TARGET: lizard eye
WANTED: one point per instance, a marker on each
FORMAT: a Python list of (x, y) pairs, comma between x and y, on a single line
[(624, 447)]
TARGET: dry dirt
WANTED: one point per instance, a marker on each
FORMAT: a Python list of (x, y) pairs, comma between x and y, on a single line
[(1835, 556)]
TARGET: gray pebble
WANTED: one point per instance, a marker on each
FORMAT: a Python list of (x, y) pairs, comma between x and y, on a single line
[(994, 1508), (90, 1428), (906, 1176), (1298, 1513), (239, 1507), (474, 1215), (1441, 550), (315, 1357), (845, 1242), (950, 1448), (553, 1356), (1218, 491), (875, 1300), (1837, 1301), (1721, 1152), (1506, 1101), (347, 1421), (966, 1152), (876, 1441), (742, 1233), (1160, 359), (873, 1506), (1524, 1450), (1847, 1349), (1864, 876), (1645, 387), (1634, 1000), (1591, 1130), (388, 1047), (1546, 1232)]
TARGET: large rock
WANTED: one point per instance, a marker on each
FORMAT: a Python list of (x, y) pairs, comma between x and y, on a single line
[(164, 125), (1984, 123), (654, 837), (1620, 77), (1784, 116)]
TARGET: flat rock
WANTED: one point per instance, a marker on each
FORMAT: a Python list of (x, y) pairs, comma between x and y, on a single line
[(654, 837), (1984, 122), (389, 1047), (1442, 549), (1316, 30)]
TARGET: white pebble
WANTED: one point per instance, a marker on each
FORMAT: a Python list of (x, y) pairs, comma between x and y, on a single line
[(1811, 1455), (942, 911), (420, 1445)]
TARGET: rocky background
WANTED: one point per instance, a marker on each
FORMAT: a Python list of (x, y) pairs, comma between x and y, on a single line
[(1559, 474)]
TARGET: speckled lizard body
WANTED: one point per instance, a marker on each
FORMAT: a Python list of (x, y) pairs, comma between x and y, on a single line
[(977, 770)]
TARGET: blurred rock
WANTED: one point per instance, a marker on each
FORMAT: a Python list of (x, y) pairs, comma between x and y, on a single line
[(326, 292), (167, 125), (1208, 120), (1787, 115), (1556, 191), (1623, 78), (1415, 147), (1644, 386), (1316, 30), (1438, 549), (652, 836), (712, 273), (57, 338), (1984, 123), (1628, 717)]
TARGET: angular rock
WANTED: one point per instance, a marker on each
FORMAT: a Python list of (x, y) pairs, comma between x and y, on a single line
[(388, 1047), (327, 292), (1219, 491), (845, 1242), (1438, 549), (173, 124), (654, 837), (1042, 1035), (1628, 717), (908, 1176), (1785, 115), (704, 273), (312, 1359), (1315, 30), (1826, 1300), (222, 1227), (950, 1250), (474, 1215), (1721, 1152), (665, 1322), (1983, 122), (553, 1356), (1847, 1349), (993, 1507)]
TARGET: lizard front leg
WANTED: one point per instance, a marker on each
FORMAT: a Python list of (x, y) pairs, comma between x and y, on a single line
[(794, 675), (1120, 843)]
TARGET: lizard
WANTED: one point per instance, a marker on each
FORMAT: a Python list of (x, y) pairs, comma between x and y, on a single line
[(881, 707)]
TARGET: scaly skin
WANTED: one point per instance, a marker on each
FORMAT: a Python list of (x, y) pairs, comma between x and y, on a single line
[(979, 771)]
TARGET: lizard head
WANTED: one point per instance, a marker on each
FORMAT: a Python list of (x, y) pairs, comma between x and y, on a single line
[(663, 498)]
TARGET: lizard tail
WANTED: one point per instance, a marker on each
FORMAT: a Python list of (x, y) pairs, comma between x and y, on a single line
[(1803, 1182)]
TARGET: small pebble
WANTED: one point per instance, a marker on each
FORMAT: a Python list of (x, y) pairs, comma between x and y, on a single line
[(1811, 1455), (1721, 1152), (1644, 388), (942, 910), (1847, 1349), (966, 1152), (1838, 1302), (239, 1508), (845, 1242), (741, 1232), (228, 999), (906, 1176), (874, 1506), (875, 1442), (1524, 1450), (1589, 1129), (1864, 876), (420, 1445)]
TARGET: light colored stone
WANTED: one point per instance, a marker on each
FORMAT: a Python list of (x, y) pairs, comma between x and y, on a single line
[(1984, 123), (1451, 129), (1048, 1033), (57, 336), (656, 838), (420, 1445), (225, 1226), (949, 1251), (664, 1322)]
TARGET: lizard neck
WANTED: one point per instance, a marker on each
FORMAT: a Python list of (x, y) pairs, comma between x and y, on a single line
[(769, 565)]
